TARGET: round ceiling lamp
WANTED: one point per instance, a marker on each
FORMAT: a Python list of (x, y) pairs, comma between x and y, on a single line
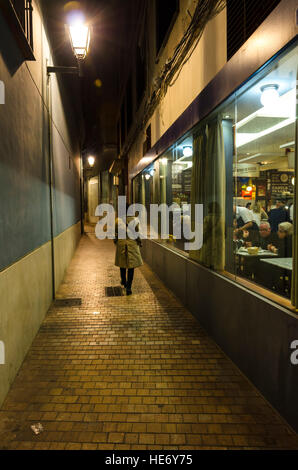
[(269, 95), (187, 151)]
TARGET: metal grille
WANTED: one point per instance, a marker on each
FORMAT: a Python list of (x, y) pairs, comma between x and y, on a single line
[(243, 18), (114, 291), (24, 11), (71, 302)]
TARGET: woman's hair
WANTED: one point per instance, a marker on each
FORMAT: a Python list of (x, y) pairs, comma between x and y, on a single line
[(256, 207), (286, 227)]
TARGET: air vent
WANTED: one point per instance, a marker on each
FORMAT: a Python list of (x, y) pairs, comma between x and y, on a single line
[(71, 302), (114, 291), (243, 18)]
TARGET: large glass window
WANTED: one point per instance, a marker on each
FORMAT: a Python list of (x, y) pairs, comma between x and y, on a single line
[(240, 164), (264, 176)]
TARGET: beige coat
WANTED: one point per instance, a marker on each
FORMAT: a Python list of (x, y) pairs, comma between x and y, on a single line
[(128, 253)]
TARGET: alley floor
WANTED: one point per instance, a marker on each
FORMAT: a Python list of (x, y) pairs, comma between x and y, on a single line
[(133, 372)]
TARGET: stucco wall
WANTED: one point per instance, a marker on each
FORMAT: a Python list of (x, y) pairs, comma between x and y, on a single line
[(207, 59), (24, 151), (25, 229), (64, 248)]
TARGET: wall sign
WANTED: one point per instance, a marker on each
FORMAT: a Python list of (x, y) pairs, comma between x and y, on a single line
[(243, 170)]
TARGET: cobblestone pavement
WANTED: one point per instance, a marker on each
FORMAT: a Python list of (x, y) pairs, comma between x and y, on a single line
[(132, 372)]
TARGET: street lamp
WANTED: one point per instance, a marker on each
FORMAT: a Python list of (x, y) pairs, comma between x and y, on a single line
[(91, 161), (79, 34)]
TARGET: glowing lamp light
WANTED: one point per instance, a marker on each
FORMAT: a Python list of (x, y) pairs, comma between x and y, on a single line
[(187, 151), (269, 95), (79, 34), (249, 189), (293, 181), (91, 161), (147, 176)]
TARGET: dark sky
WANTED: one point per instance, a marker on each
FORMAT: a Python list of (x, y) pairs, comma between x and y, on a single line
[(113, 25)]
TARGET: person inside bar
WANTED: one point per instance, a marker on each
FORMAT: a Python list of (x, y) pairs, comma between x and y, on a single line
[(266, 236), (278, 215), (283, 245), (246, 222)]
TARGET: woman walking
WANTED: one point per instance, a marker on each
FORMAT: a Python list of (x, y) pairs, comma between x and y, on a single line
[(128, 255)]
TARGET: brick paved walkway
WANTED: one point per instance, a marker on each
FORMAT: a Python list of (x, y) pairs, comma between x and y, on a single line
[(132, 372)]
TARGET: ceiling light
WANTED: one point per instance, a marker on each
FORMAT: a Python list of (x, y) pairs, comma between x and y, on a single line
[(147, 176), (288, 144), (269, 95), (187, 151), (249, 158)]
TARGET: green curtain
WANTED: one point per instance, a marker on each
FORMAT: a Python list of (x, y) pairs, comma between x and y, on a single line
[(294, 292), (163, 183), (142, 191), (209, 188), (155, 184)]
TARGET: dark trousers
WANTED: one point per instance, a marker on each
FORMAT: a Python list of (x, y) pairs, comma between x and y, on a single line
[(128, 281)]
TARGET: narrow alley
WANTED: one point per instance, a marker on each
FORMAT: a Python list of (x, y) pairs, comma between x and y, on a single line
[(133, 372)]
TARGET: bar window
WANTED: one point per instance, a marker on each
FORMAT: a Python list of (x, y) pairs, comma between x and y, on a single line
[(240, 163), (264, 176)]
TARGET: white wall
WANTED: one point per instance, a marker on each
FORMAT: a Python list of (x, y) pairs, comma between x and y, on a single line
[(207, 59)]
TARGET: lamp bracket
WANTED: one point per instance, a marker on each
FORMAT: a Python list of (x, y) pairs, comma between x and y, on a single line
[(74, 70)]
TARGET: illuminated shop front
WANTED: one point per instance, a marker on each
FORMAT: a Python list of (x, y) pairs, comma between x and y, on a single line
[(239, 162)]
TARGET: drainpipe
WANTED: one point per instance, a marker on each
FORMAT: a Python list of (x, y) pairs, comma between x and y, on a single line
[(50, 149)]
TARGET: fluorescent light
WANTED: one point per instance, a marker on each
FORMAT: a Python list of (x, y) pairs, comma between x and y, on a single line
[(249, 158), (245, 138), (284, 107), (288, 144)]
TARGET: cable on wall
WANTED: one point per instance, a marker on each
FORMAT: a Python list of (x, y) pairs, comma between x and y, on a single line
[(205, 11)]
